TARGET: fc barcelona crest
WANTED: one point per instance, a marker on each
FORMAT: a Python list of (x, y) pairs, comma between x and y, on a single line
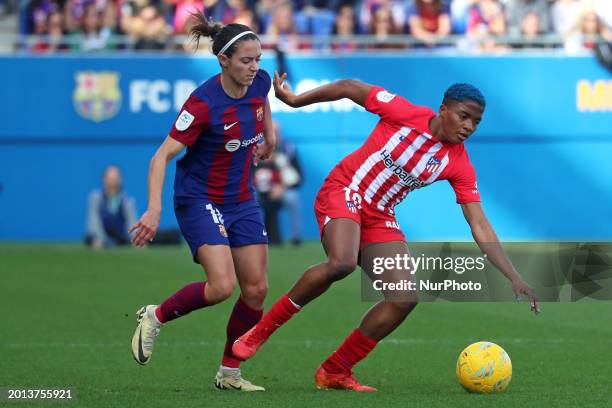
[(97, 96), (260, 114), (222, 230)]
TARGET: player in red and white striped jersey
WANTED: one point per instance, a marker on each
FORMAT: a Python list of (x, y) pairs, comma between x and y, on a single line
[(410, 147)]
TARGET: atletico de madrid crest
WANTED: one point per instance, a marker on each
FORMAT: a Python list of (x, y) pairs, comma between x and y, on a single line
[(222, 230), (351, 207), (432, 165), (260, 114), (97, 95)]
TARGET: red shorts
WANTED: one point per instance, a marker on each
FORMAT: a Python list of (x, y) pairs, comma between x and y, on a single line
[(336, 201)]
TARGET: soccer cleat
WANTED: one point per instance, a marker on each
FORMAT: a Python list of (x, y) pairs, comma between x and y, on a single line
[(232, 380), (325, 380), (247, 345), (144, 336)]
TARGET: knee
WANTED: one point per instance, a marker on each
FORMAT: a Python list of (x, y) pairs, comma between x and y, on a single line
[(255, 294), (222, 290), (339, 268)]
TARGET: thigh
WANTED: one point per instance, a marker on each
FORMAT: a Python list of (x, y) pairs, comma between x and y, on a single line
[(251, 265), (395, 274), (218, 264), (341, 238)]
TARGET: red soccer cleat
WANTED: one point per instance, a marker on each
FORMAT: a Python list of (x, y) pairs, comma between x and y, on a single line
[(247, 345), (326, 380)]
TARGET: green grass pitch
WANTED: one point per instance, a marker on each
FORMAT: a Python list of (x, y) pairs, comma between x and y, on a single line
[(68, 317)]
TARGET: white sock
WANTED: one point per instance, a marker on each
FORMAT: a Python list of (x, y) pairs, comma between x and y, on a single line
[(224, 368)]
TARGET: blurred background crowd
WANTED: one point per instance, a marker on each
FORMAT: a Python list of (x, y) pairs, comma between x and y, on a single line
[(337, 25)]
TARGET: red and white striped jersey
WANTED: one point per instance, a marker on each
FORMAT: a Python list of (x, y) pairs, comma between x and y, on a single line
[(401, 155)]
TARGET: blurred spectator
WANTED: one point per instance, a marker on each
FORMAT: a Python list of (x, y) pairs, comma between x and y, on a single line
[(93, 34), (459, 11), (603, 8), (110, 212), (247, 17), (382, 27), (345, 27), (587, 33), (530, 30), (291, 175), (182, 13), (149, 29), (269, 187), (565, 15), (485, 21), (534, 10), (54, 39), (428, 19), (40, 12), (396, 9), (282, 30)]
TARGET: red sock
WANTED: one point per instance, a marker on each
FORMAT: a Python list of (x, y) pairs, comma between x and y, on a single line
[(240, 321), (279, 313), (354, 349), (186, 300)]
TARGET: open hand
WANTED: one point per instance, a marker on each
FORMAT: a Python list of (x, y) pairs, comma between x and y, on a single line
[(145, 229), (521, 288), (282, 90)]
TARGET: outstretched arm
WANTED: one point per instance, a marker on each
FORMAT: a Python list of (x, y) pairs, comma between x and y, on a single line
[(345, 88), (487, 240), (146, 228)]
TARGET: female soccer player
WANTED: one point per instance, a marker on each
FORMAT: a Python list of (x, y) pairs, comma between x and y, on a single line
[(410, 147), (222, 123)]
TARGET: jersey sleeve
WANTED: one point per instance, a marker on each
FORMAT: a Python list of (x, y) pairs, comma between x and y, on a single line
[(193, 119), (390, 107), (266, 81), (464, 183)]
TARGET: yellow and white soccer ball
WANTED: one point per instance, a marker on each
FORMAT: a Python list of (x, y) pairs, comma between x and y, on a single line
[(484, 367)]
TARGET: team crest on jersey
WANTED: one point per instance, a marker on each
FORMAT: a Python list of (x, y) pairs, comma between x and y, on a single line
[(222, 230), (97, 95), (351, 207), (432, 165), (260, 114)]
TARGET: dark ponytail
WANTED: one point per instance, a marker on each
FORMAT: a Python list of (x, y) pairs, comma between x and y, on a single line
[(220, 34)]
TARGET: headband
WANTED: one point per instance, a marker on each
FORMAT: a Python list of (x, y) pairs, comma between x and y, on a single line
[(233, 40)]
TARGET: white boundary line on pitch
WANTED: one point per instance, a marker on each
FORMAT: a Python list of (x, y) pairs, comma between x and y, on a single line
[(311, 343)]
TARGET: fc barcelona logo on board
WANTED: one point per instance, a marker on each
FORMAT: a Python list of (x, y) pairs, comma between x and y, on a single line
[(97, 96), (260, 114)]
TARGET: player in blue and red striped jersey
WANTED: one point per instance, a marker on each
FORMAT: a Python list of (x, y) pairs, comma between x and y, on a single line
[(225, 124), (411, 147)]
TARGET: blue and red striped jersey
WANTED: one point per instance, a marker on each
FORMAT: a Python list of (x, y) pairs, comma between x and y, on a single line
[(220, 133)]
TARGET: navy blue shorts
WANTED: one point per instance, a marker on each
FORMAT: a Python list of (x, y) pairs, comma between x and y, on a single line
[(204, 222)]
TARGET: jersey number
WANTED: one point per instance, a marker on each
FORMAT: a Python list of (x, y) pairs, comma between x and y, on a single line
[(352, 196), (215, 214)]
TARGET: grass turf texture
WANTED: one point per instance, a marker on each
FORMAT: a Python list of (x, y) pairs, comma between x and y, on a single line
[(68, 317)]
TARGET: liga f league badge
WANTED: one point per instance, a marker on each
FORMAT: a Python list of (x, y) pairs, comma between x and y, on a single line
[(260, 114), (97, 96)]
